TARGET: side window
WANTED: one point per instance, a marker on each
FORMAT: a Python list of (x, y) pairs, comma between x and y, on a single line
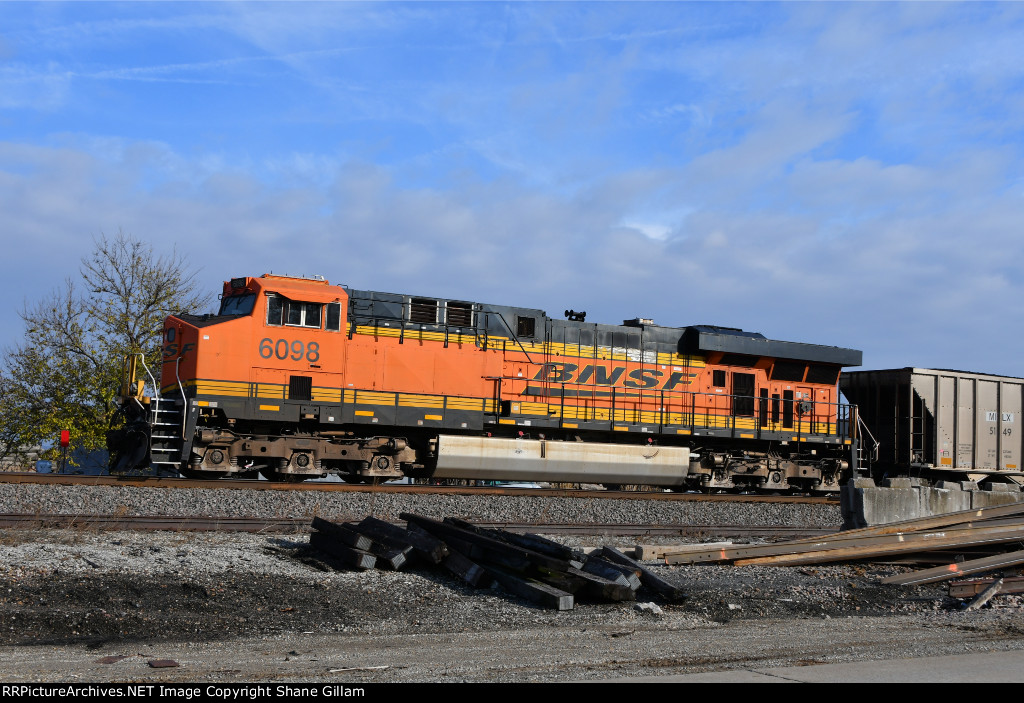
[(281, 311), (275, 310), (311, 313), (718, 378), (334, 317)]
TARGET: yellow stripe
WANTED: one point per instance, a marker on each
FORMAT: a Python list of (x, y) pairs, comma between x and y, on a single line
[(270, 407), (432, 417), (374, 398), (620, 429), (570, 424), (365, 413)]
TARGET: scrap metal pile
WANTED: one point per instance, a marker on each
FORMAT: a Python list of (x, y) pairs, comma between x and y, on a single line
[(972, 542), (529, 566)]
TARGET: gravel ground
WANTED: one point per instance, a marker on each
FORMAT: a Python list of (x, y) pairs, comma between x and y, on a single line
[(248, 608)]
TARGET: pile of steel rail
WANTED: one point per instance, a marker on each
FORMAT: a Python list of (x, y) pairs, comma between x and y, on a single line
[(525, 565), (953, 540)]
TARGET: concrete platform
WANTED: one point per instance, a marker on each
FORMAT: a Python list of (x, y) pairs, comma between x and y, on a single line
[(865, 504)]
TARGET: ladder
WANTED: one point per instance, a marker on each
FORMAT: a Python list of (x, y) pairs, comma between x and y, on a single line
[(167, 429), (166, 418)]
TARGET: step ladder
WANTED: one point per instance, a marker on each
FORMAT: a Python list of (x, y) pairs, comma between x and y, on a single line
[(167, 428), (166, 418)]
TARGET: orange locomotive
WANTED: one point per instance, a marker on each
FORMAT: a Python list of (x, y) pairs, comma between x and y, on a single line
[(296, 378)]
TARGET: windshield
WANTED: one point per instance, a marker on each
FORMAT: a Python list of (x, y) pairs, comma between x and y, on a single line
[(238, 304)]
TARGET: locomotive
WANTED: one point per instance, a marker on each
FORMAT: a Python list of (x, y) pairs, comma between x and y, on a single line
[(295, 378)]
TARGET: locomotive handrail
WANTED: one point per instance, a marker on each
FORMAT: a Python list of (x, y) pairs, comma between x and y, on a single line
[(184, 400), (610, 404), (514, 335)]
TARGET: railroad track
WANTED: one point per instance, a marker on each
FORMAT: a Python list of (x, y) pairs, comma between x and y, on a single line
[(298, 525), (239, 484)]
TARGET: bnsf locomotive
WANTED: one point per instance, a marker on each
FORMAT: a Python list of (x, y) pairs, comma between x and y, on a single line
[(295, 378)]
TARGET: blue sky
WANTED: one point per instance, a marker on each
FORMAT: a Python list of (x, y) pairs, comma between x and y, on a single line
[(842, 174)]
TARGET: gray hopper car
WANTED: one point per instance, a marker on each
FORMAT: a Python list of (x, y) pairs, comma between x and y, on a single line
[(939, 422)]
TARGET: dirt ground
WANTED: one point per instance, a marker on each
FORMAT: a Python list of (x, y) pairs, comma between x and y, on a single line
[(242, 608)]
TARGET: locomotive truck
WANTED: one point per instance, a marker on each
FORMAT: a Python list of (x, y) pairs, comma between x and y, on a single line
[(295, 378)]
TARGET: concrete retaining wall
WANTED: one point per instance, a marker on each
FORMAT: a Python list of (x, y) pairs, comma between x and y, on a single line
[(864, 503)]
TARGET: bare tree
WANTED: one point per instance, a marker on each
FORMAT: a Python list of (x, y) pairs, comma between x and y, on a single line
[(65, 373)]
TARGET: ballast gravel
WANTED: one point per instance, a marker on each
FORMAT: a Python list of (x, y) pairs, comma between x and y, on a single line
[(342, 506), (86, 605)]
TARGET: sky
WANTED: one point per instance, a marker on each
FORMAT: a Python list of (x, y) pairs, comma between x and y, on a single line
[(846, 174)]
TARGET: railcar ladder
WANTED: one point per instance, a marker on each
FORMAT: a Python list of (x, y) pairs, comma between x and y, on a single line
[(867, 447)]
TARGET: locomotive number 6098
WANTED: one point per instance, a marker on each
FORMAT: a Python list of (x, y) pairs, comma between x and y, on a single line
[(284, 349)]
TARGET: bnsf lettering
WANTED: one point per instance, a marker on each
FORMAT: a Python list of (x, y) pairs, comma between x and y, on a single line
[(643, 378), (556, 373), (171, 350), (600, 375), (597, 374)]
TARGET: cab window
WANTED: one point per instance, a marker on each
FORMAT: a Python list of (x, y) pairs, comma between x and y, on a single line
[(293, 313), (237, 304)]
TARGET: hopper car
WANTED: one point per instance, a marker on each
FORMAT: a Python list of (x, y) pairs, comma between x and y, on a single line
[(940, 423), (295, 378)]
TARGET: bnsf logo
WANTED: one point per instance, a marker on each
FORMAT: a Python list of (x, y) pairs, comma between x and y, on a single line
[(171, 346), (612, 376)]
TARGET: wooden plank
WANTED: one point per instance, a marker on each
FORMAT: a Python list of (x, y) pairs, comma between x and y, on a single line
[(425, 546), (501, 537), (341, 533), (389, 557), (602, 588), (618, 573), (349, 556), (486, 549), (546, 546), (533, 590), (647, 577), (467, 570)]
